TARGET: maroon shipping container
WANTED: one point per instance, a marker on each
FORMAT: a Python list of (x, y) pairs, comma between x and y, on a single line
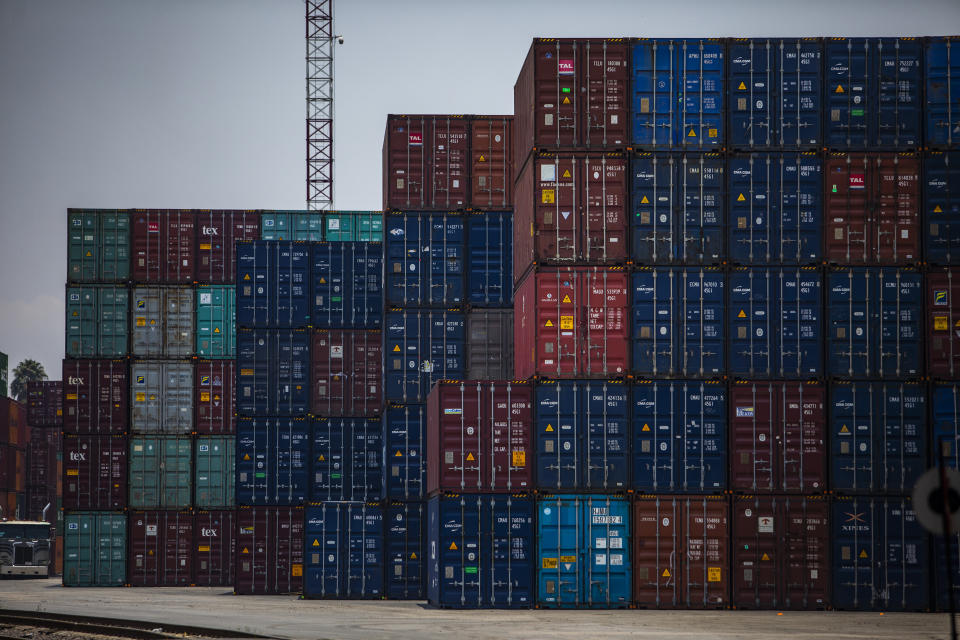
[(491, 166), (347, 375), (213, 548), (426, 162), (571, 208), (160, 546), (162, 246), (872, 208), (217, 232), (44, 403), (572, 94), (95, 472), (213, 398), (943, 324), (572, 322), (43, 475), (95, 396), (7, 468), (13, 423), (680, 552), (778, 437), (479, 436), (780, 552), (269, 550)]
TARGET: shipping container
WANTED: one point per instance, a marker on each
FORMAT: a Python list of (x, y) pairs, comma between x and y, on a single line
[(583, 543), (163, 322), (214, 548), (95, 549), (943, 323), (273, 285), (216, 332), (878, 437), (8, 464), (44, 403), (347, 281), (489, 344), (422, 346), (13, 423), (679, 436), (403, 546), (491, 162), (681, 551), (343, 550), (678, 94), (214, 477), (347, 459), (479, 437), (871, 210), (161, 549), (43, 481), (941, 584), (347, 372), (775, 213), (781, 552), (880, 555), (678, 322), (941, 206), (489, 240), (872, 93), (161, 472), (299, 226), (875, 323), (161, 397), (425, 259), (426, 162), (218, 231), (162, 243), (98, 245), (95, 396), (269, 550), (482, 551), (95, 472), (582, 435), (353, 226), (405, 472), (945, 431), (273, 458), (273, 372), (97, 321), (213, 397), (942, 108)]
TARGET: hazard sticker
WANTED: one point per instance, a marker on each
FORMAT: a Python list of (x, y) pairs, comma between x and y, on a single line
[(940, 323), (549, 563), (714, 574), (519, 458), (296, 570), (566, 322), (548, 196), (765, 524)]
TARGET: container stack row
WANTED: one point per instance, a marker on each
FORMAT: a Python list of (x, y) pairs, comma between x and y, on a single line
[(44, 462), (14, 441)]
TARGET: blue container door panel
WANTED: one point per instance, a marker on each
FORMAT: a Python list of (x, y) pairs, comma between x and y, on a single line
[(560, 572), (421, 348), (364, 559), (273, 287), (322, 551), (557, 438), (701, 299), (653, 203), (490, 259), (404, 550), (607, 541), (607, 439), (751, 93), (654, 70), (347, 285), (656, 326), (799, 85), (941, 197), (800, 336), (753, 331), (344, 550), (346, 460), (425, 259), (946, 424), (272, 372), (272, 461), (943, 99), (405, 470), (330, 453), (700, 94)]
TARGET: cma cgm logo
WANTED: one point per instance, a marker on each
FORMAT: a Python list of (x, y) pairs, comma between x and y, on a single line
[(72, 380), (208, 533), (415, 138), (210, 231), (78, 456)]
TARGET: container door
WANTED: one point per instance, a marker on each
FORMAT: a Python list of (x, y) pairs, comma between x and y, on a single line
[(323, 550), (653, 178), (558, 305), (699, 88), (404, 550), (656, 325), (405, 471), (557, 213), (706, 536), (658, 438), (509, 557), (363, 568), (602, 204), (901, 434), (751, 334), (849, 310), (753, 201), (757, 566), (943, 324), (559, 409), (702, 311), (489, 254), (802, 437), (657, 552), (560, 573), (604, 323), (606, 552), (606, 439), (851, 431), (654, 98), (751, 102), (806, 553), (703, 459), (798, 106), (799, 339), (507, 417), (941, 198), (941, 73)]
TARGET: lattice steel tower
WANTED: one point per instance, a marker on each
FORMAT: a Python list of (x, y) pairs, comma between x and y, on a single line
[(320, 43)]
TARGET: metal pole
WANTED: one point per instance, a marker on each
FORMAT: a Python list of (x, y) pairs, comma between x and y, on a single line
[(945, 517)]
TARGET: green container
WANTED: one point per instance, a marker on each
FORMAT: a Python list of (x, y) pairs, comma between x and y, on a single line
[(353, 226), (214, 472), (216, 329), (160, 472), (98, 245), (94, 549), (306, 226), (97, 321)]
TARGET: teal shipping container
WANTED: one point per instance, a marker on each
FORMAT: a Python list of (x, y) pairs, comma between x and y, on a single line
[(306, 226), (162, 322), (97, 321), (353, 226), (161, 397), (216, 321), (98, 245), (160, 472), (213, 478), (94, 549)]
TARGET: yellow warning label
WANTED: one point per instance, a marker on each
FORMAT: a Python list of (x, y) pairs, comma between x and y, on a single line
[(646, 427), (482, 159), (203, 547), (764, 556), (204, 396), (141, 397), (568, 558), (398, 454), (453, 546), (321, 458), (519, 458), (566, 173), (566, 298), (742, 86), (863, 554), (316, 543), (548, 323), (549, 563), (741, 314), (566, 322), (740, 198), (323, 280), (396, 348), (246, 372), (711, 133), (713, 574), (470, 456), (89, 254), (246, 456), (296, 570), (549, 427), (204, 246), (141, 322), (844, 429), (839, 89), (666, 573), (566, 100), (692, 134), (940, 323), (245, 550), (644, 200), (246, 277), (937, 209), (216, 329), (73, 472), (548, 196), (71, 396), (413, 555)]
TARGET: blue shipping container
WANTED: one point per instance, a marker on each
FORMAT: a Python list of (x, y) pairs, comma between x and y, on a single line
[(404, 447), (583, 435), (941, 198), (679, 436), (273, 285), (273, 455), (422, 346), (303, 226), (425, 259), (775, 208), (481, 551), (945, 401), (403, 544), (776, 326), (490, 258), (347, 280), (273, 371), (943, 99), (343, 550), (347, 459), (875, 322), (880, 555)]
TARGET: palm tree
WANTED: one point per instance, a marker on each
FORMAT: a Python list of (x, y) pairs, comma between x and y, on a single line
[(27, 371)]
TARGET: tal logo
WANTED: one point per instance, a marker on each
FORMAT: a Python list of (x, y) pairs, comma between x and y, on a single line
[(208, 533), (210, 231), (415, 138), (74, 380), (565, 67), (153, 227), (856, 181)]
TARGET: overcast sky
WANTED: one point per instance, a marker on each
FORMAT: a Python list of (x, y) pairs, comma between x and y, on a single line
[(200, 103)]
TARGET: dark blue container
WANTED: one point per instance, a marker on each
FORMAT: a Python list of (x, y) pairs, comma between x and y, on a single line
[(875, 322), (273, 284), (490, 258), (942, 66), (775, 208), (776, 323), (347, 459), (678, 94), (677, 208), (347, 280), (583, 435), (273, 369), (878, 437), (941, 585), (343, 550), (679, 436), (482, 551), (945, 406), (880, 555), (424, 259), (404, 555), (273, 455), (773, 93), (678, 322), (422, 346), (404, 433), (873, 89), (941, 197)]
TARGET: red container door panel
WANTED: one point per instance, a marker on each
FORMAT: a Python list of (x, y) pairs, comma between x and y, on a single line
[(405, 170), (347, 373), (525, 218), (163, 244), (605, 78), (706, 553), (214, 397), (806, 566), (95, 472), (897, 209), (214, 549), (556, 206), (95, 396), (557, 310), (556, 95), (269, 550), (509, 420), (491, 163), (656, 543), (803, 434), (847, 203), (160, 548), (604, 196), (217, 233), (455, 438), (756, 553), (943, 325), (606, 321), (450, 151)]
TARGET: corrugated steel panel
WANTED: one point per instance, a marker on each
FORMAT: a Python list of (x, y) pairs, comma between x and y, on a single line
[(98, 245), (214, 478), (353, 226), (273, 285), (95, 472), (273, 458), (945, 431), (95, 394), (95, 549), (422, 346), (489, 344), (216, 335), (44, 403), (426, 162), (161, 397), (489, 240), (269, 550), (213, 397), (943, 323), (343, 550), (404, 427), (941, 205), (347, 459), (163, 322), (347, 372), (162, 244), (300, 226), (214, 548), (404, 549), (161, 472), (161, 545), (491, 162), (425, 259), (217, 234), (97, 322), (347, 281), (942, 107), (273, 372)]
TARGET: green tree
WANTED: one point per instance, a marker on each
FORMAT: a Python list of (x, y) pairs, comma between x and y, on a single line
[(27, 371)]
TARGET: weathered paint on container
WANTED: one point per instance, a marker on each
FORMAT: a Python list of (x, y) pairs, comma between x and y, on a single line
[(161, 546), (43, 473), (273, 458), (425, 259), (163, 322), (273, 372), (269, 550), (161, 472), (95, 396), (95, 549), (343, 550), (95, 472), (216, 331), (346, 372), (97, 321), (943, 323), (426, 162), (214, 548), (346, 459), (300, 226), (491, 162), (162, 243), (214, 384), (347, 282), (942, 106), (44, 403), (404, 550), (352, 226), (422, 346), (161, 397), (489, 344), (941, 206), (214, 477), (273, 285), (98, 245), (489, 241), (218, 232), (404, 441)]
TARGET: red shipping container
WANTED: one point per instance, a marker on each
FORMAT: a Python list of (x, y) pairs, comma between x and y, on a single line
[(213, 399), (44, 403), (95, 396), (943, 324), (217, 232), (491, 166), (572, 94), (479, 437), (872, 208), (95, 472), (780, 552), (13, 422), (213, 548), (572, 322), (43, 478), (160, 548), (680, 552), (347, 375), (7, 467), (162, 246), (426, 162), (269, 550)]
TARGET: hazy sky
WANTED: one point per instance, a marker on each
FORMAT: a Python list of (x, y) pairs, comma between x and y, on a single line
[(200, 103)]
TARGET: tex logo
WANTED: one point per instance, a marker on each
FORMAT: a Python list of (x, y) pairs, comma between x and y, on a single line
[(940, 297), (415, 139)]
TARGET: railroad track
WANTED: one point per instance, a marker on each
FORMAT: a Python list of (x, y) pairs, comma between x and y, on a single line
[(139, 630)]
